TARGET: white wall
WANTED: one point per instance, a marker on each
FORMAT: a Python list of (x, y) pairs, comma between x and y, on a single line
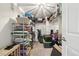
[(5, 24), (60, 24), (43, 29), (56, 25)]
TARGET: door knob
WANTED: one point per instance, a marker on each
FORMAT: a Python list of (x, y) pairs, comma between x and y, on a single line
[(63, 38)]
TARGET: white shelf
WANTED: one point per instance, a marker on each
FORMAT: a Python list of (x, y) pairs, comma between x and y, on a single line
[(21, 31), (19, 34)]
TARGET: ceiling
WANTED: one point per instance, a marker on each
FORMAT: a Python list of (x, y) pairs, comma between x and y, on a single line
[(39, 10)]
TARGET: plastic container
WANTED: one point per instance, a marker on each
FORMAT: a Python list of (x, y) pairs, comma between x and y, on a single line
[(47, 42)]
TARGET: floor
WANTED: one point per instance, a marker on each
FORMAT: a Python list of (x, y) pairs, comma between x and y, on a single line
[(39, 50)]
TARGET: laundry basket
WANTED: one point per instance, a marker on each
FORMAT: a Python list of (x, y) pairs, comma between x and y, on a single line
[(47, 42)]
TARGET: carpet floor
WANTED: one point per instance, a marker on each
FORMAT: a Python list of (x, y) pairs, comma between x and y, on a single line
[(39, 50)]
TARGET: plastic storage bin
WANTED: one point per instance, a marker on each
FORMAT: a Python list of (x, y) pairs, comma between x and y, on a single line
[(47, 42)]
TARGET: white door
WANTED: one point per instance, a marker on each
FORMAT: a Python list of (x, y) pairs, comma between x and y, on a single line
[(70, 29)]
